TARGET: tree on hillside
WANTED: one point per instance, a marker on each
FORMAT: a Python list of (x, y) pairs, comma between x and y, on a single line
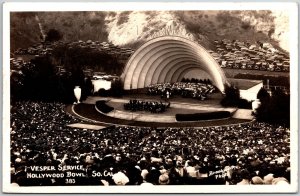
[(40, 80), (41, 83), (117, 88), (53, 35), (16, 85), (263, 95), (232, 98), (276, 110), (76, 57)]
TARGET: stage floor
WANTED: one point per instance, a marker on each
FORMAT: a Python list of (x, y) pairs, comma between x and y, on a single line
[(177, 106), (119, 116)]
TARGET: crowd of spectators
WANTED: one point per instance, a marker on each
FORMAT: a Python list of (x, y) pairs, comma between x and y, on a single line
[(150, 106), (252, 153), (244, 154), (184, 89)]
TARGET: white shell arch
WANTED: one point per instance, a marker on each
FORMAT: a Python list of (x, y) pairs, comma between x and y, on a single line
[(165, 59)]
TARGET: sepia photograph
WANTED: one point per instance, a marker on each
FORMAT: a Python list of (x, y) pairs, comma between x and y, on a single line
[(150, 97)]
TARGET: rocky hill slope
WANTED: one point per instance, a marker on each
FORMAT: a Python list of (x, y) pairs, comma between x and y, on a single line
[(132, 28)]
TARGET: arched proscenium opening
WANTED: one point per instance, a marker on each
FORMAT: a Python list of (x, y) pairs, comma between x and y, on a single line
[(167, 59)]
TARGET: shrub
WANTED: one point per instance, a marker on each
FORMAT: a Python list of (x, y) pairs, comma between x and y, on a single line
[(232, 97), (123, 17), (245, 25), (53, 35), (117, 88), (263, 95), (244, 104), (102, 92)]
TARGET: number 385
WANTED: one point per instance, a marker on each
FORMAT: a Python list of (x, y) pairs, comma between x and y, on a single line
[(70, 181)]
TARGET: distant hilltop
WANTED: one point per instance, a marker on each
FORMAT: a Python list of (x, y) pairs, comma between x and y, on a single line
[(129, 29)]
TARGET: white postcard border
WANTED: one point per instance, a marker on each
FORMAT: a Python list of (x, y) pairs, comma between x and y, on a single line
[(105, 6)]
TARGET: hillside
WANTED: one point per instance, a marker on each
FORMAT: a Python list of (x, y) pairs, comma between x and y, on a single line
[(132, 28)]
